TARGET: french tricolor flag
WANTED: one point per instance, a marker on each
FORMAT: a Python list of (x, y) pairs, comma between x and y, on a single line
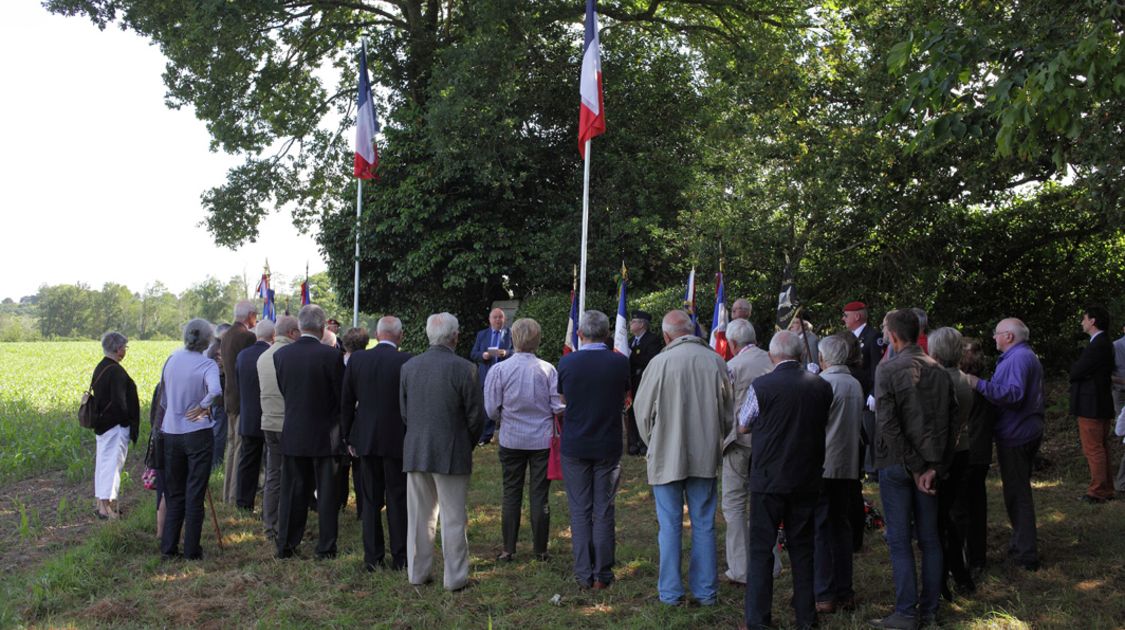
[(570, 344), (366, 156), (689, 302), (591, 113), (720, 319), (621, 325)]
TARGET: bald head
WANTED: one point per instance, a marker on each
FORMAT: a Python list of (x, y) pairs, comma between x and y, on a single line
[(676, 324), (496, 318), (1010, 332), (785, 346), (389, 328)]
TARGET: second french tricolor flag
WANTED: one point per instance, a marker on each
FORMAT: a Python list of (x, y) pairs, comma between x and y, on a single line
[(591, 113), (366, 156)]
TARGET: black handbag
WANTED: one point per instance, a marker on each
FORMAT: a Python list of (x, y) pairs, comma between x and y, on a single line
[(154, 455)]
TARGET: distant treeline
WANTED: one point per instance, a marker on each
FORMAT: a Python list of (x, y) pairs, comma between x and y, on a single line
[(76, 311)]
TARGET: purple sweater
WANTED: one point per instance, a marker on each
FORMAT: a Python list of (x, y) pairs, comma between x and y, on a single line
[(1017, 391)]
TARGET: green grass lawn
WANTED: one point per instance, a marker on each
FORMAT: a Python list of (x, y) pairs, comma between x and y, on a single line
[(111, 573)]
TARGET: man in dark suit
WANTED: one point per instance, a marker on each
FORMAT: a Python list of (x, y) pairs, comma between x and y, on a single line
[(371, 426), (643, 348), (238, 338), (492, 345), (250, 415), (443, 409), (786, 410), (1091, 400), (310, 376)]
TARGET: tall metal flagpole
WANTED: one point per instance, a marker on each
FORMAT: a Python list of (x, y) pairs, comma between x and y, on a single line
[(355, 296), (585, 231)]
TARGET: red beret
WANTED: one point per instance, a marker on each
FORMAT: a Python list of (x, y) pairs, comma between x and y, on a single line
[(854, 306)]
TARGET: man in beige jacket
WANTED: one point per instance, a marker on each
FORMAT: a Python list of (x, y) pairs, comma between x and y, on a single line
[(749, 362), (273, 418), (684, 408)]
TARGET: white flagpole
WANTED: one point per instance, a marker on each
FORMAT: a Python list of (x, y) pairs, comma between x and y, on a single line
[(355, 297), (585, 232)]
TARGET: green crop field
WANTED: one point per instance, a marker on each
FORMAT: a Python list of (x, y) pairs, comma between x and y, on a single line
[(40, 388), (61, 568)]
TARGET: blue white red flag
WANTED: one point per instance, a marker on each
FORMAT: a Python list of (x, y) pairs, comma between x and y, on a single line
[(266, 293), (591, 113), (621, 325), (689, 302), (306, 294), (570, 344), (366, 126), (719, 320)]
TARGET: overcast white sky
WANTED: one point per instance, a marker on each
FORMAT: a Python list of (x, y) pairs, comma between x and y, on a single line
[(101, 182)]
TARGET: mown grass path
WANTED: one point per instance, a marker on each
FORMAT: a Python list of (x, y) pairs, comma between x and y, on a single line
[(87, 574)]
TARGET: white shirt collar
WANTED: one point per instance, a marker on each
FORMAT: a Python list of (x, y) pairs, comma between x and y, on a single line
[(389, 343), (859, 330)]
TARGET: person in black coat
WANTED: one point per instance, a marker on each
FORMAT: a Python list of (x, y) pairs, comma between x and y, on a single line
[(250, 416), (117, 419), (371, 426), (644, 346), (1091, 400), (310, 376)]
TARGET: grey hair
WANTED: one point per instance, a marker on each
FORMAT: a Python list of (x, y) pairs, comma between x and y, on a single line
[(243, 309), (112, 341), (833, 350), (285, 325), (922, 319), (785, 345), (945, 345), (388, 325), (1019, 329), (676, 323), (265, 329), (441, 329), (594, 326), (526, 335), (311, 319), (742, 333), (198, 334), (744, 302)]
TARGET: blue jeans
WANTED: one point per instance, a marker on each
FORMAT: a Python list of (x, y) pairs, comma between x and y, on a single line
[(908, 512), (703, 569), (219, 413)]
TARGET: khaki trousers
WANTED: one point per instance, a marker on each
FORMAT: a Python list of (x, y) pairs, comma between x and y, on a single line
[(736, 509), (428, 496), (230, 462)]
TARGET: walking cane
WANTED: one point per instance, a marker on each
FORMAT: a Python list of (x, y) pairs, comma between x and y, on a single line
[(214, 518)]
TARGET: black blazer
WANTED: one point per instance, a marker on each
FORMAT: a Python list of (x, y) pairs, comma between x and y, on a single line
[(639, 356), (250, 389), (310, 376), (115, 399), (1091, 387), (788, 446), (370, 420), (871, 347)]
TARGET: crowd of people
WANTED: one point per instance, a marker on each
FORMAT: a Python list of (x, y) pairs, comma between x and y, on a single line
[(792, 433)]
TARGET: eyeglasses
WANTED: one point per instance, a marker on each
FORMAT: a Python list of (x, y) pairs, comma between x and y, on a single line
[(997, 333)]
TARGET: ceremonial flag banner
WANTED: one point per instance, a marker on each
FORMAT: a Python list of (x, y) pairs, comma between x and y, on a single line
[(689, 302), (306, 293), (621, 327), (787, 299), (366, 126), (570, 344), (719, 319), (266, 293), (591, 113)]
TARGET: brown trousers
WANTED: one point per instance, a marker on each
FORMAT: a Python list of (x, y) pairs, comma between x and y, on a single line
[(1094, 434)]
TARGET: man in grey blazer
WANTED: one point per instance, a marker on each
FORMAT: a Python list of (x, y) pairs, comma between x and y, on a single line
[(748, 363), (442, 408)]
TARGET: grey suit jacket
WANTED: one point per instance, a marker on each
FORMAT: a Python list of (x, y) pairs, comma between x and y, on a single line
[(743, 368), (442, 406)]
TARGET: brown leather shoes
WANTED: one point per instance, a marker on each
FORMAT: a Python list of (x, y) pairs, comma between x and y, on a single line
[(826, 608)]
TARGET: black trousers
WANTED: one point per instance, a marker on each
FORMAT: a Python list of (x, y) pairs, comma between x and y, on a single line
[(953, 518), (1015, 471), (515, 464), (767, 512), (382, 483), (833, 556), (187, 469), (974, 498), (299, 476), (249, 466), (632, 434), (347, 464)]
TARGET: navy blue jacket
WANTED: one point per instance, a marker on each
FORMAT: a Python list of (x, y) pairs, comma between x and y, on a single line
[(595, 384), (250, 389), (787, 454), (481, 345), (370, 417), (310, 376)]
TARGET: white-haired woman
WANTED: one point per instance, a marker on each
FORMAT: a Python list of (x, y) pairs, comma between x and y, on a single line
[(116, 421), (522, 394), (191, 383)]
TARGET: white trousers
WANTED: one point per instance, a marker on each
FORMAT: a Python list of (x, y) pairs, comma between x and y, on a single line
[(113, 447), (429, 495)]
